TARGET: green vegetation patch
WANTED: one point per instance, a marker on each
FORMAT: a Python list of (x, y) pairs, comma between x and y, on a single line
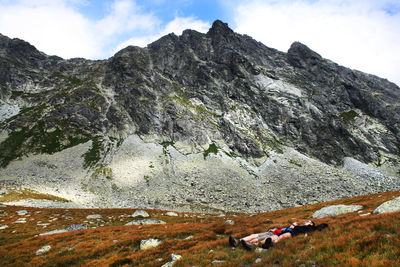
[(349, 116), (93, 155), (211, 149)]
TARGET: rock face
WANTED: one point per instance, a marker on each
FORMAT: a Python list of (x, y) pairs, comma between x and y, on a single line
[(214, 121)]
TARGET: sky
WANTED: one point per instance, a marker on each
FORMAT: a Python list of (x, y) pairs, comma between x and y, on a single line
[(359, 34)]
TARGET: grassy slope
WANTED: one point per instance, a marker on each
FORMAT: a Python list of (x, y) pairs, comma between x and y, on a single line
[(350, 240)]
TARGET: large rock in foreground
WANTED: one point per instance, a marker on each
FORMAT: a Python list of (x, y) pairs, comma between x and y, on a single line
[(389, 206), (336, 210)]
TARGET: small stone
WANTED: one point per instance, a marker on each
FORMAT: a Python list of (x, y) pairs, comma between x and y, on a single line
[(258, 260), (140, 213), (21, 220), (22, 212), (175, 257), (3, 227), (172, 214), (149, 243), (229, 222), (43, 250), (94, 217)]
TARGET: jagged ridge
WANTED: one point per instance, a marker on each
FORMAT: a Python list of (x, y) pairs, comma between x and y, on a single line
[(195, 93)]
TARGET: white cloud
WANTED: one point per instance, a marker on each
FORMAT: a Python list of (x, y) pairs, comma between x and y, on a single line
[(58, 27), (53, 27), (358, 34), (177, 26), (126, 16)]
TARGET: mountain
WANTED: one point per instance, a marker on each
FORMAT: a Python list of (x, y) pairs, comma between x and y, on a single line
[(214, 121)]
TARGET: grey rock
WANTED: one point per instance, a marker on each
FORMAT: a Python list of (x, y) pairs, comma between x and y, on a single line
[(2, 227), (140, 213), (43, 250), (149, 243), (20, 220), (76, 227), (22, 212), (171, 214), (335, 210), (57, 231), (389, 206), (94, 217), (175, 257), (145, 222)]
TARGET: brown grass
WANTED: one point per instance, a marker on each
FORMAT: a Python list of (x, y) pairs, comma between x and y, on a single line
[(350, 239)]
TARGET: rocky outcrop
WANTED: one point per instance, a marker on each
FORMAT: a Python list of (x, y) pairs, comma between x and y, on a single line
[(336, 210), (389, 206), (214, 121)]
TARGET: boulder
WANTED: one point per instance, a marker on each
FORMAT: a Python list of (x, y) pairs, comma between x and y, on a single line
[(172, 214), (43, 250), (94, 217), (145, 222), (149, 243), (76, 227), (335, 210), (140, 213), (389, 206)]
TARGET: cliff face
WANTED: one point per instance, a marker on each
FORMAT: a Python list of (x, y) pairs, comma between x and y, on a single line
[(213, 121)]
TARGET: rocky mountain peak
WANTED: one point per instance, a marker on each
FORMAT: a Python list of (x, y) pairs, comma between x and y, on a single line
[(219, 28), (219, 119), (299, 55)]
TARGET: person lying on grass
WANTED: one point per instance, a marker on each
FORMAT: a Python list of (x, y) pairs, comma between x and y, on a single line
[(274, 235)]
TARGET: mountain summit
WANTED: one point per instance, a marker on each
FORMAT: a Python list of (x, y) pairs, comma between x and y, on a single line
[(214, 121)]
